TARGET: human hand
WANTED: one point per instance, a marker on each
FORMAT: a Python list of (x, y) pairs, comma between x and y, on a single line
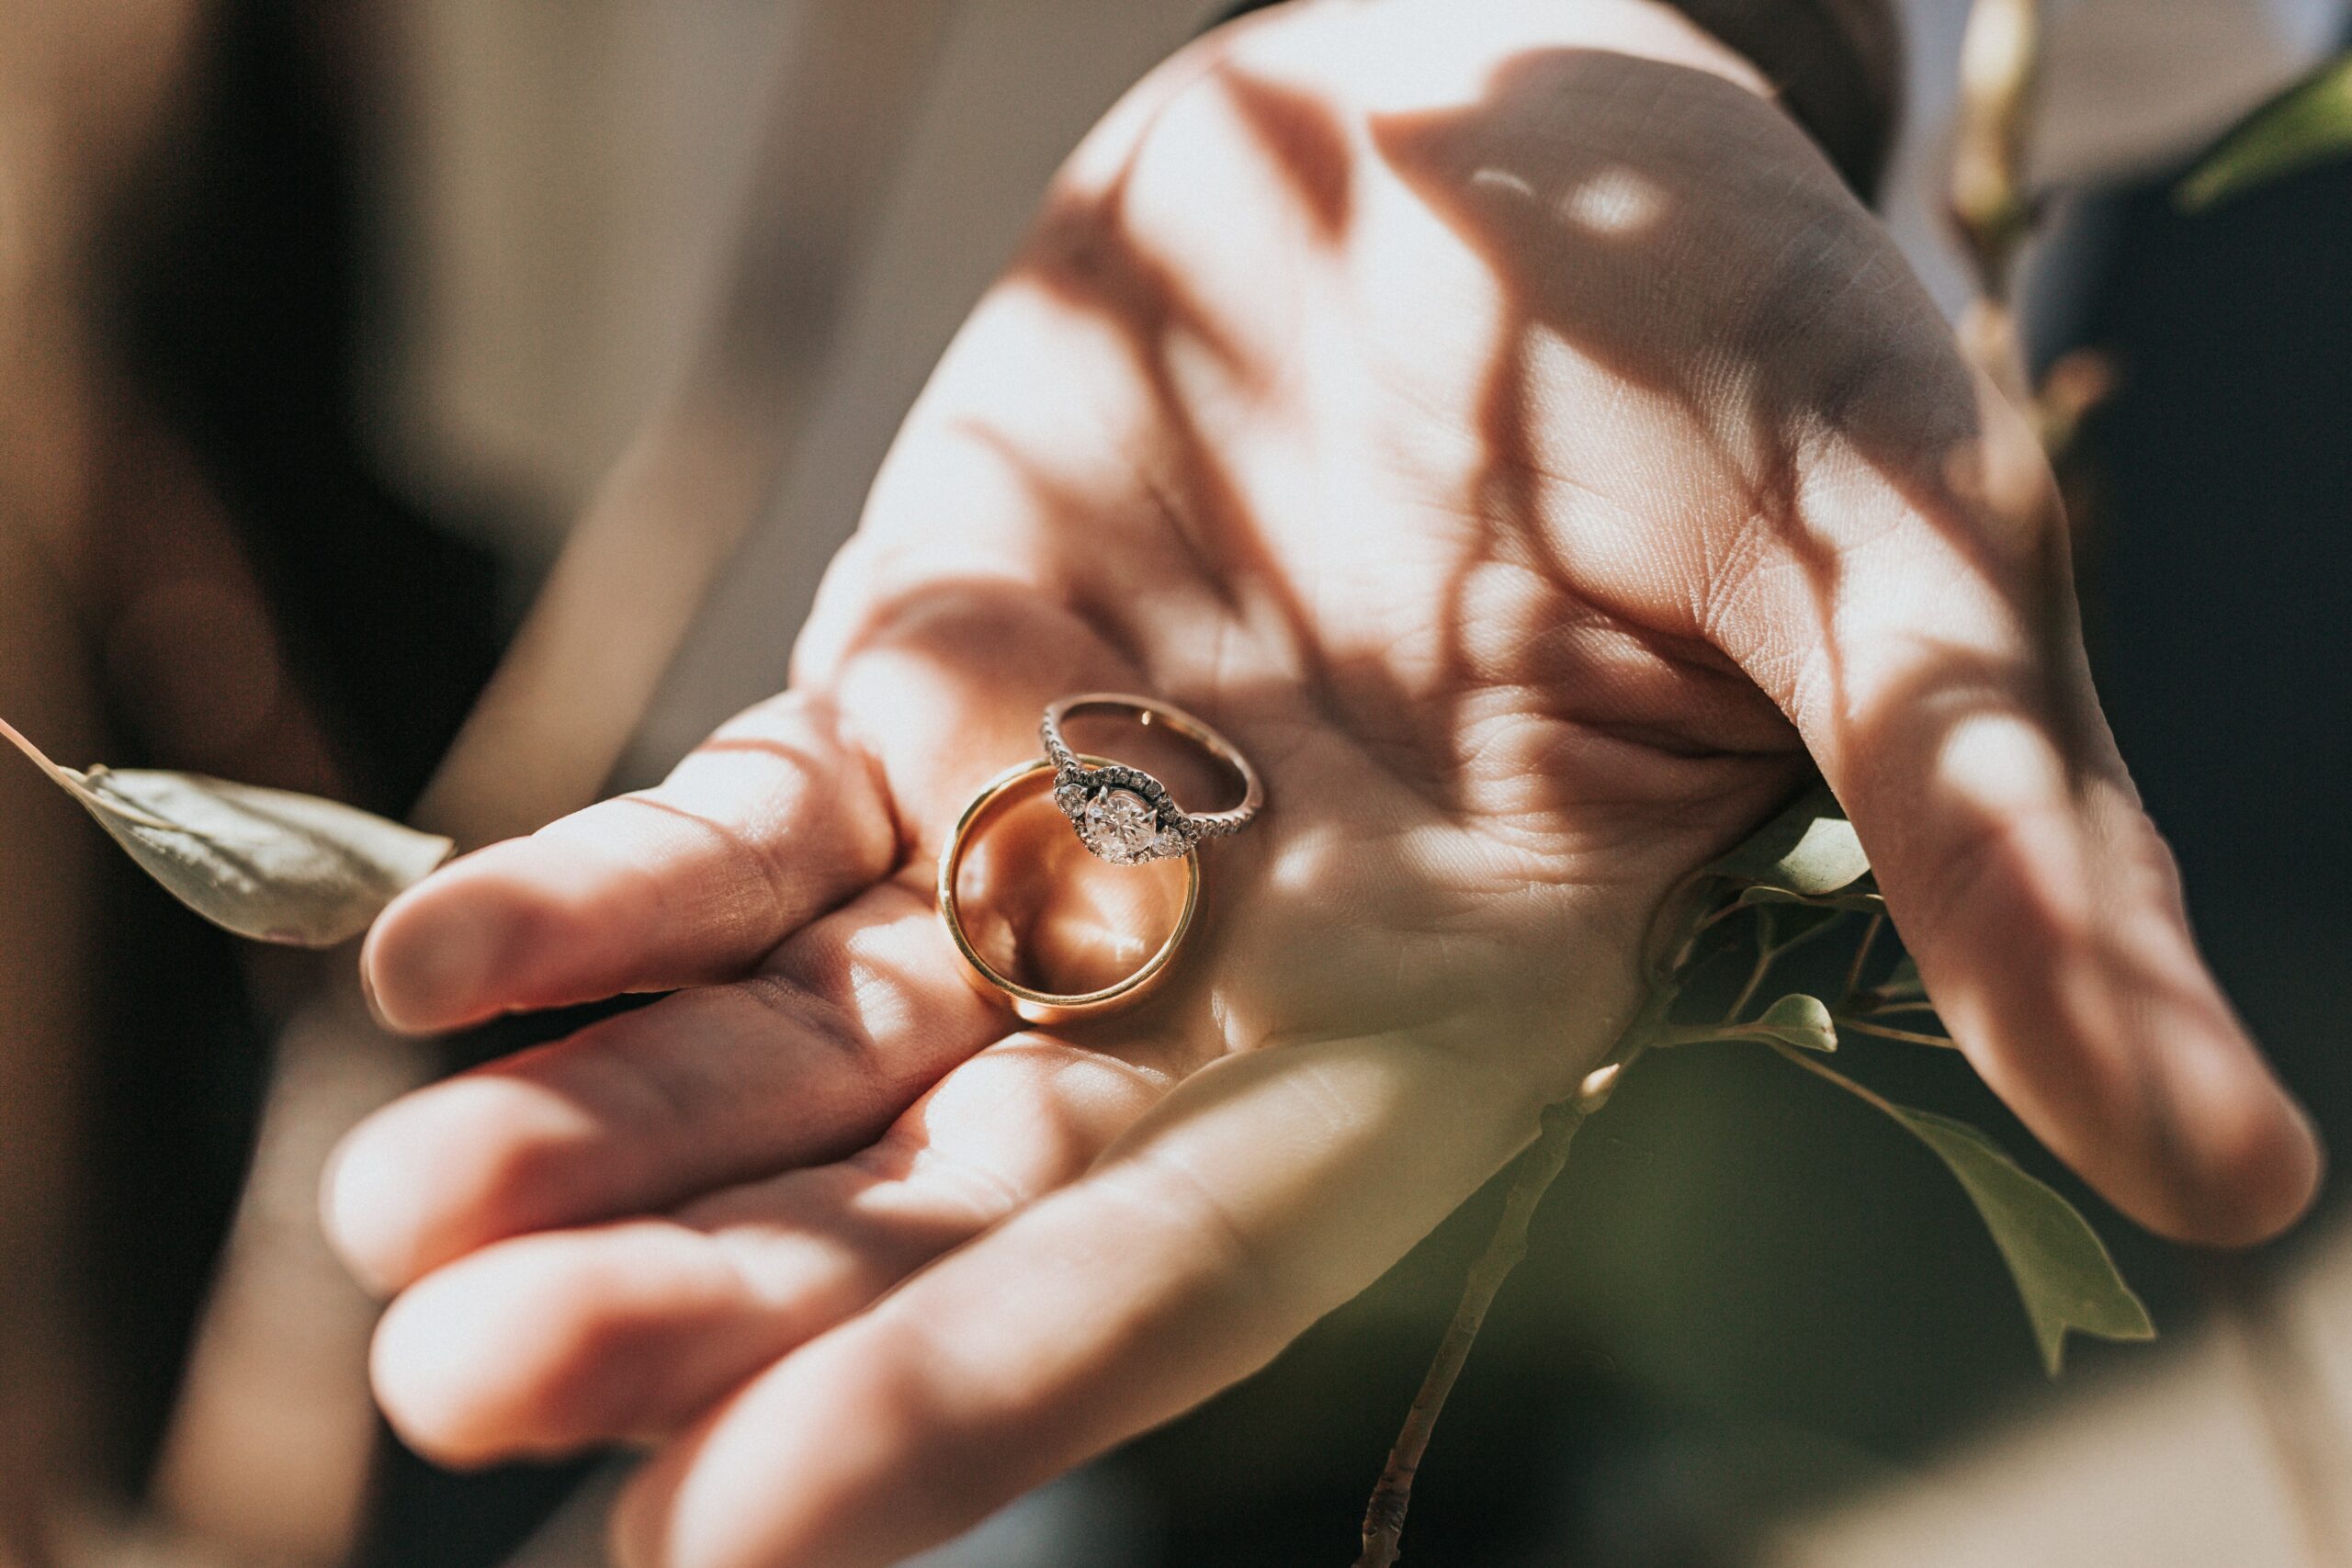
[(1501, 424)]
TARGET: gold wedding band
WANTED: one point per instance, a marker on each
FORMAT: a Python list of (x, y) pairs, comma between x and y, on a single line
[(1030, 1004)]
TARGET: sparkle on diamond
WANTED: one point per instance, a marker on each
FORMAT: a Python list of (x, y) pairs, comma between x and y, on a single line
[(1121, 826)]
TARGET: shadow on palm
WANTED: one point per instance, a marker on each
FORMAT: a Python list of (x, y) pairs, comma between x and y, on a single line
[(1472, 818), (1504, 479)]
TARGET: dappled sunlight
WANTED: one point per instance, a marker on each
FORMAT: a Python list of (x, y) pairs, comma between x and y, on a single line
[(1510, 430), (1616, 202)]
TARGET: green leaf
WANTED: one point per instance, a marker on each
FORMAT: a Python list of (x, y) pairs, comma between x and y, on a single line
[(1862, 902), (265, 863), (2061, 1267), (2306, 124), (1809, 849), (1800, 1021), (1902, 983), (1901, 992)]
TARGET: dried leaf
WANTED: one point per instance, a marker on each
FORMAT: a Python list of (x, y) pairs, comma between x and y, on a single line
[(265, 863), (2306, 124), (2061, 1267), (1809, 850), (1800, 1021)]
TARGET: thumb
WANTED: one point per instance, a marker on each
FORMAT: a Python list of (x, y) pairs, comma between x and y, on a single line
[(1926, 642)]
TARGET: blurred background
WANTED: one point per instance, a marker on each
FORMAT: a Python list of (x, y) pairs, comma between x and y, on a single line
[(328, 326)]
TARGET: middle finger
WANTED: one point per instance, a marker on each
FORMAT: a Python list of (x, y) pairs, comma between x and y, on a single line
[(552, 1342)]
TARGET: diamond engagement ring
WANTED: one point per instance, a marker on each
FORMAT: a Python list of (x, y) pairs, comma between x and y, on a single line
[(1124, 814)]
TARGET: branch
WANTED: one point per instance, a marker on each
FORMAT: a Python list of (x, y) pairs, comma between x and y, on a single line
[(1907, 1036), (1384, 1517), (2000, 64), (1862, 957)]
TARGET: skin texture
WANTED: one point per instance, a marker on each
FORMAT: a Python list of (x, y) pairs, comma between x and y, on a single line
[(1501, 423)]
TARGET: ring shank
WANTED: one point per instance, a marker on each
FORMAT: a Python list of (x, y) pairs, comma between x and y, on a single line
[(1030, 1004)]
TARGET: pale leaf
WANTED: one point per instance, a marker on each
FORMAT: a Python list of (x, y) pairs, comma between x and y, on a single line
[(265, 863), (1809, 850), (1800, 1021)]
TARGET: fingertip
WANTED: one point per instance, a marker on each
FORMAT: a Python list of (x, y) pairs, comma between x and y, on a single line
[(2257, 1164), (2282, 1177), (499, 1356), (361, 1203), (435, 957), (449, 1168), (428, 1374), (554, 1342)]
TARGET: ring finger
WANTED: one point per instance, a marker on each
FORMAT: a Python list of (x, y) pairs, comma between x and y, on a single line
[(559, 1340)]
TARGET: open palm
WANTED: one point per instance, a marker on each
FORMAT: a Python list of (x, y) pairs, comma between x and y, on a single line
[(1513, 436)]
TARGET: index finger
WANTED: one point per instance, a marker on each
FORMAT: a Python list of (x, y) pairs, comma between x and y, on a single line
[(771, 822)]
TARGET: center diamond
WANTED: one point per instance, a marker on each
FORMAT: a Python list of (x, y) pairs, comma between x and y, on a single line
[(1122, 827)]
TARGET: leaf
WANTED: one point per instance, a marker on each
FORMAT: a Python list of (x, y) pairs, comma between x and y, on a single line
[(1809, 849), (2309, 122), (1800, 1021), (1867, 903), (1902, 983), (1901, 992), (265, 863), (2061, 1267)]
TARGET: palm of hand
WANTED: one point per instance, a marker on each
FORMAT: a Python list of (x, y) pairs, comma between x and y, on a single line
[(1492, 468)]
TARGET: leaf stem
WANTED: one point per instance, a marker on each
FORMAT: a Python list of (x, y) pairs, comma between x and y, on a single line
[(77, 784), (2000, 67), (66, 777), (123, 811), (1890, 1009), (1724, 1033), (1769, 953), (1868, 1096), (1384, 1519), (1819, 928), (1909, 1037), (1862, 954), (1762, 968), (1719, 916)]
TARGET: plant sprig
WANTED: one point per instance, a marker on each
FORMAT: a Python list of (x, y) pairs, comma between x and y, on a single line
[(1797, 879)]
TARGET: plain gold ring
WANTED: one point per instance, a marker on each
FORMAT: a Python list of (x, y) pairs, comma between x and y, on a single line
[(1034, 1006)]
